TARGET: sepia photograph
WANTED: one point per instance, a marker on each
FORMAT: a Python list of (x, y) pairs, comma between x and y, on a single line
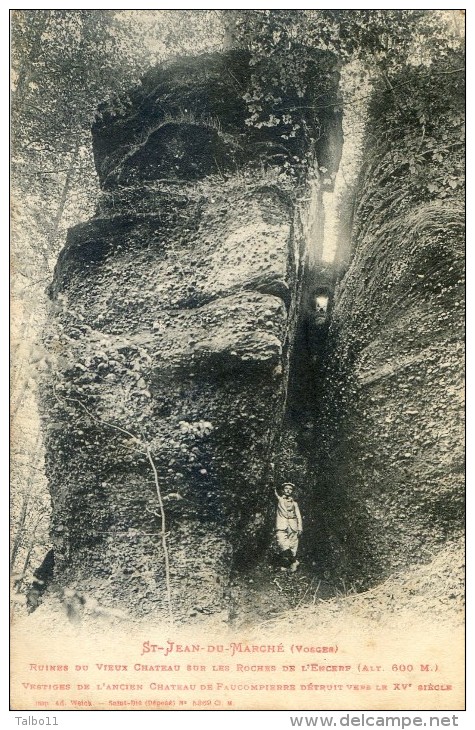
[(237, 360)]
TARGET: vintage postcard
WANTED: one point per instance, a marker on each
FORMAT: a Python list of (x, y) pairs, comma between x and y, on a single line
[(237, 393)]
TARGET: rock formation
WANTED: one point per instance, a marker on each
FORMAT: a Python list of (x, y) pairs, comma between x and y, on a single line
[(175, 312), (182, 307), (392, 451)]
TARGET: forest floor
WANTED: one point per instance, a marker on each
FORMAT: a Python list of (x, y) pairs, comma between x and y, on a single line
[(270, 597), (268, 591)]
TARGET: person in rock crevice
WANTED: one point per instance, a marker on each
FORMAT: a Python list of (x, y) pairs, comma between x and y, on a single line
[(288, 526)]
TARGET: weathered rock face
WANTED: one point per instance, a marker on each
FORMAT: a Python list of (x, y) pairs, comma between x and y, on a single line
[(392, 424), (175, 315), (188, 119)]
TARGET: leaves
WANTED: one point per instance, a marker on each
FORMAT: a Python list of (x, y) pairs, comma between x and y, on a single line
[(294, 51)]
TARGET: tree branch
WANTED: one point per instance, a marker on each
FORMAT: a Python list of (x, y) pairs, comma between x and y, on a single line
[(164, 538)]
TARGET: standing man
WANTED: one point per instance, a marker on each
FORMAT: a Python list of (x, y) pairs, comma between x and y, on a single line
[(288, 526)]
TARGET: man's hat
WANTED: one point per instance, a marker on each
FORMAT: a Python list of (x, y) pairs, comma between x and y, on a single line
[(288, 484)]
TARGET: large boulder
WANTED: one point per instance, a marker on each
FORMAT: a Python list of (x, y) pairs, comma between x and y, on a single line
[(175, 311)]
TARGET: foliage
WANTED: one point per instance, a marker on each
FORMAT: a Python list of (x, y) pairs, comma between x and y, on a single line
[(286, 45), (291, 48)]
